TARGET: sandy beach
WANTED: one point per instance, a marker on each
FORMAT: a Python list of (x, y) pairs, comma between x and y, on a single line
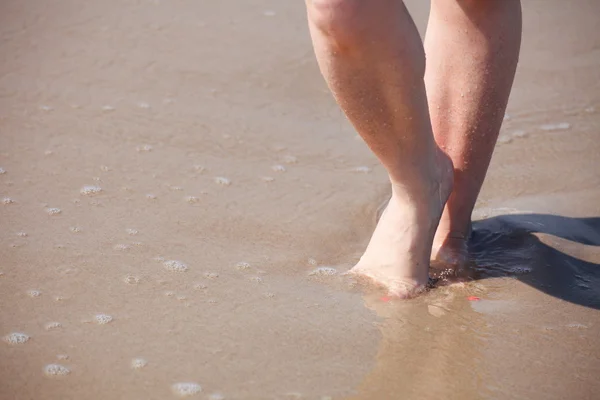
[(181, 197)]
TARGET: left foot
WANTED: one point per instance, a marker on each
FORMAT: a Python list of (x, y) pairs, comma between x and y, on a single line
[(397, 256)]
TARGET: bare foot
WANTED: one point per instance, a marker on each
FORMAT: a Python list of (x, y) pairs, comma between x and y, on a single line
[(450, 251), (398, 254)]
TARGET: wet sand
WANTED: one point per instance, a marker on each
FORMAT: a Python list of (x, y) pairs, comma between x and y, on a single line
[(181, 195)]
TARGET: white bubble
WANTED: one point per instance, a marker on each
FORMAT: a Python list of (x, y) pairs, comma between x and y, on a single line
[(289, 159), (175, 266), (506, 117), (216, 396), (46, 108), (519, 133), (151, 196), (222, 181), (185, 389), (62, 357), (131, 280), (90, 190), (102, 319), (362, 169), (192, 199), (269, 295), (323, 271), (48, 152), (278, 168), (75, 229), (590, 109), (143, 105), (108, 108), (138, 363), (211, 275), (2, 171), (556, 127), (169, 293), (200, 286), (143, 148), (22, 234), (53, 370), (242, 265), (181, 297), (267, 179), (256, 279), (7, 200), (104, 168), (16, 338), (33, 293), (269, 13), (199, 168), (504, 139), (122, 247), (312, 261), (53, 211)]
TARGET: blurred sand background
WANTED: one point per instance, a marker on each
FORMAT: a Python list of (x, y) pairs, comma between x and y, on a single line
[(234, 194)]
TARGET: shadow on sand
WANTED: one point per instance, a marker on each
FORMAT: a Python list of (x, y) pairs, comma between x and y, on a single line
[(558, 255)]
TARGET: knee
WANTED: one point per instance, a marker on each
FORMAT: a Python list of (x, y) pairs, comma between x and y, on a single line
[(340, 21)]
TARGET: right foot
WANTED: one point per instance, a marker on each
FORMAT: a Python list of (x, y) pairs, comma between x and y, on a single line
[(398, 254)]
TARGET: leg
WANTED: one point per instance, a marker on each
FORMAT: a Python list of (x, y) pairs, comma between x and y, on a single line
[(472, 49), (372, 58)]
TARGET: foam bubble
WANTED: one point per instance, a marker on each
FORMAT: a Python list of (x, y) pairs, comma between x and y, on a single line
[(556, 127), (216, 396), (186, 389), (46, 108), (16, 338), (211, 275), (256, 279), (122, 247), (200, 286), (323, 271), (7, 200), (53, 211), (108, 108), (131, 280), (102, 319), (267, 179), (192, 199), (222, 181), (138, 363), (48, 152), (176, 188), (2, 171), (242, 265), (289, 159), (169, 293), (144, 148), (269, 13), (22, 234), (34, 293), (519, 133), (577, 325), (90, 190), (278, 168), (362, 169), (53, 370), (131, 231), (312, 261), (175, 266), (504, 139), (151, 196), (199, 168), (62, 357), (269, 295), (143, 105)]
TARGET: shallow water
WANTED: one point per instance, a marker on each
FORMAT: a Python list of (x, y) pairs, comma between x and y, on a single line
[(177, 217)]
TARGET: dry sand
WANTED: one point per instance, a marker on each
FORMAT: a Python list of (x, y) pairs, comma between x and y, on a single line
[(227, 174)]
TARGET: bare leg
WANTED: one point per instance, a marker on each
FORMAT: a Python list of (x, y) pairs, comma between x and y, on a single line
[(372, 58), (472, 49)]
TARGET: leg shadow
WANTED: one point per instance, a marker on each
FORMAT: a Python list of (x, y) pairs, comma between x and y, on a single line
[(558, 255)]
